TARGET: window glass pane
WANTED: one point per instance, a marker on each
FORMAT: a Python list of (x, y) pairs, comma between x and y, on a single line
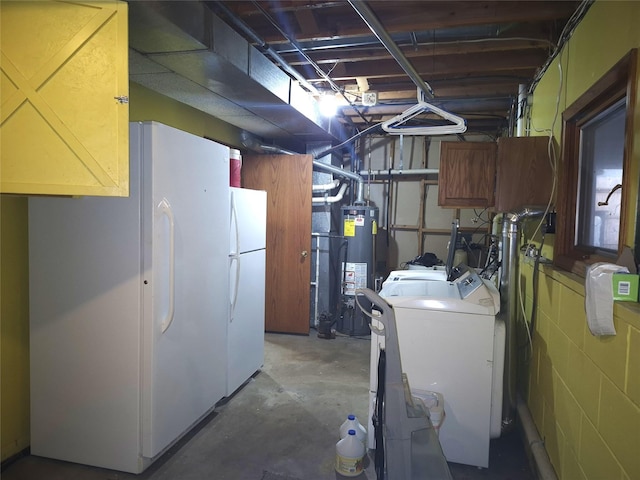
[(601, 160)]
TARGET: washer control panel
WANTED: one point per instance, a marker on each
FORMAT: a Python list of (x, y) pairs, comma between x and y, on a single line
[(469, 283)]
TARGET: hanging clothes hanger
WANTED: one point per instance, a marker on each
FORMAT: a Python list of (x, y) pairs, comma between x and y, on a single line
[(397, 125)]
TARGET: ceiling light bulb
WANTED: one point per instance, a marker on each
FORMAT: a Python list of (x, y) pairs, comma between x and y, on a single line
[(328, 105)]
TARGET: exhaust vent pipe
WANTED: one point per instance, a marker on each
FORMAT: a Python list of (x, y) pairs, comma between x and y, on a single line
[(511, 224)]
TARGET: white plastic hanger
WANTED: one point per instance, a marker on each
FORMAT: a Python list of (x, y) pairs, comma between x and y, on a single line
[(395, 125)]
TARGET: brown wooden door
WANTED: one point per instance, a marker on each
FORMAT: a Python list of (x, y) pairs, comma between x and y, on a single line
[(287, 180)]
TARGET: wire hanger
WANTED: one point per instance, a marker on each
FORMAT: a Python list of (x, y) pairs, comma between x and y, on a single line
[(395, 126)]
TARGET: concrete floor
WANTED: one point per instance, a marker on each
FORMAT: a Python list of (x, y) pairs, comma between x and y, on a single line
[(282, 425)]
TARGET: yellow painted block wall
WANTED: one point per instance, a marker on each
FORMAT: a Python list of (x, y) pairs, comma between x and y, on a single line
[(584, 391), (14, 326), (149, 105)]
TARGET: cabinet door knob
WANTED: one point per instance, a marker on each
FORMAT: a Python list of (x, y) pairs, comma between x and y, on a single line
[(304, 254)]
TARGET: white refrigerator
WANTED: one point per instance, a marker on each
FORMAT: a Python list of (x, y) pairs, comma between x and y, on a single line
[(247, 257), (128, 310)]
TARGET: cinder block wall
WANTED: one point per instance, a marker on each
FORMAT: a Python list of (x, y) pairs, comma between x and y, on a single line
[(584, 391)]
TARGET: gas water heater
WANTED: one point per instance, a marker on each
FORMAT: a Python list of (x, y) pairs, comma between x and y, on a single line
[(359, 228)]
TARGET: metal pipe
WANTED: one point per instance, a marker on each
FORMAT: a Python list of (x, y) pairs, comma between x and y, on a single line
[(522, 101), (509, 306), (525, 213), (378, 30), (274, 149), (416, 171), (316, 283), (327, 167), (345, 173)]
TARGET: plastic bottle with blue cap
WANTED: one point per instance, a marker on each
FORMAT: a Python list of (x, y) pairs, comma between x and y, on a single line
[(352, 423), (350, 455)]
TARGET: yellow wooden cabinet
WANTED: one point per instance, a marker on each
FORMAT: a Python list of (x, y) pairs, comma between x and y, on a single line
[(64, 113)]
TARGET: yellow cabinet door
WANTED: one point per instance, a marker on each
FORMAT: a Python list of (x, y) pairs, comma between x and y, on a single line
[(64, 86)]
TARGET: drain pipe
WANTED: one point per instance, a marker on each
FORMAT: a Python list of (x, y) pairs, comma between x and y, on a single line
[(509, 306), (535, 444), (326, 187), (326, 199)]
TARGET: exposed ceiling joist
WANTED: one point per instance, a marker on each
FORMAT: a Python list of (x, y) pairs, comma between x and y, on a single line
[(475, 55)]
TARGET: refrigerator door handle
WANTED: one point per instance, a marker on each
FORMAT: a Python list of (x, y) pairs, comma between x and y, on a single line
[(165, 208), (234, 227), (236, 286), (235, 254)]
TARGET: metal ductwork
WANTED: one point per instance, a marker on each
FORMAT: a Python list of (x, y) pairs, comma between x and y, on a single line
[(182, 50)]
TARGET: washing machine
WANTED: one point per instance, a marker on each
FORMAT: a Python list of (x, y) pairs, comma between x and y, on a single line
[(418, 272), (450, 343)]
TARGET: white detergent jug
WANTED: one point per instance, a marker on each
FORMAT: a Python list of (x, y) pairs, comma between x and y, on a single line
[(350, 455), (352, 423)]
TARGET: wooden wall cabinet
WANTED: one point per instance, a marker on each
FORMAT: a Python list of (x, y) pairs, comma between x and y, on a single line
[(524, 177), (507, 176), (467, 174), (64, 117)]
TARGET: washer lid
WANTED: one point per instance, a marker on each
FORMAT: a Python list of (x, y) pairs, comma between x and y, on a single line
[(406, 287), (441, 296), (423, 273)]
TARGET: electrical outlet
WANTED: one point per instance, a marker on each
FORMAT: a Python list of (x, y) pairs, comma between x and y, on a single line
[(369, 99), (551, 222)]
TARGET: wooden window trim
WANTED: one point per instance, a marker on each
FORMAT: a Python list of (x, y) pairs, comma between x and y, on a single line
[(619, 81)]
